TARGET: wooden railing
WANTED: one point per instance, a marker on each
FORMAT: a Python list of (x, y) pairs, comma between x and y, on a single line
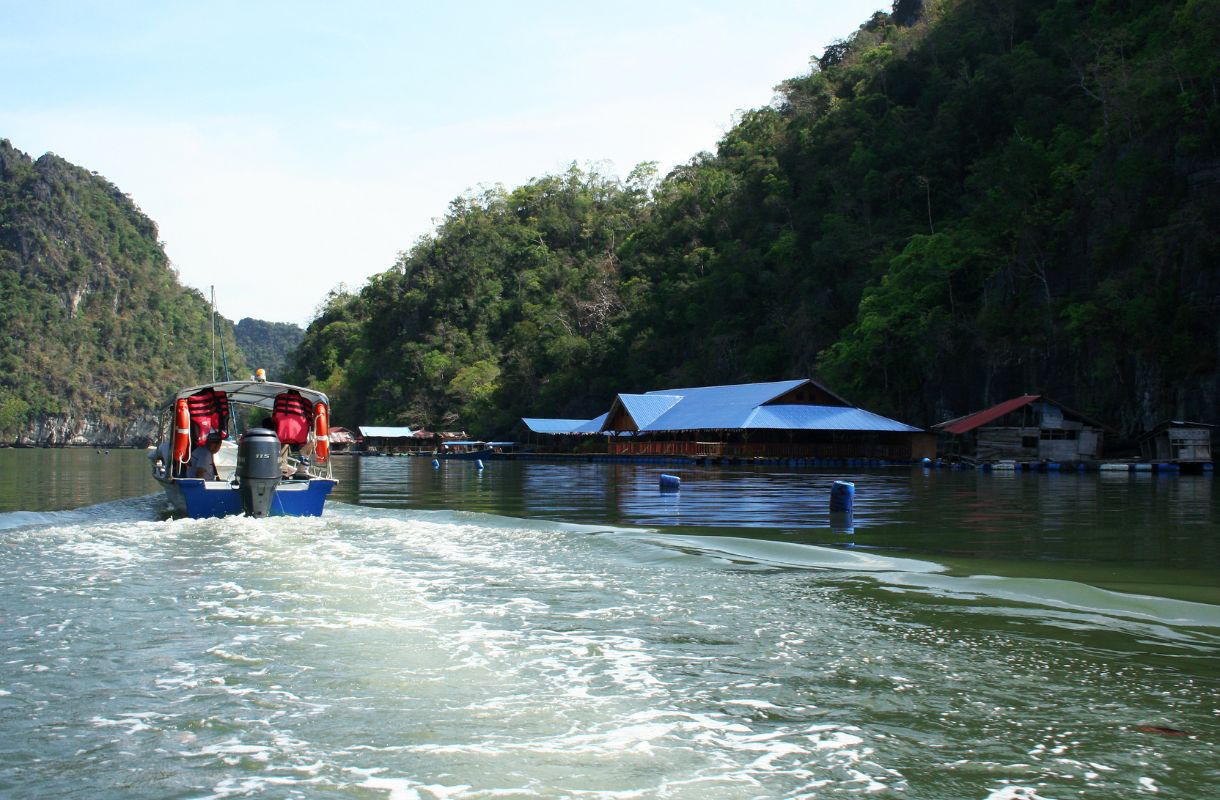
[(661, 448)]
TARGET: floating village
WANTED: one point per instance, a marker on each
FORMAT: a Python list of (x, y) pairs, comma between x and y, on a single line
[(802, 423), (796, 423)]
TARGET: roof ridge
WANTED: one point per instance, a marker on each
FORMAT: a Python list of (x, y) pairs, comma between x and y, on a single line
[(794, 381)]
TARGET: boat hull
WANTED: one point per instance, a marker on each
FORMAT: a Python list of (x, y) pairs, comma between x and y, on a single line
[(472, 455), (200, 499)]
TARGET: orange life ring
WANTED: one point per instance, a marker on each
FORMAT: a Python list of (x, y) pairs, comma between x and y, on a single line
[(182, 432), (321, 432)]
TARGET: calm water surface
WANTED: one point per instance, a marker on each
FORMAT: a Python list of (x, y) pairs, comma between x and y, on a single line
[(543, 630)]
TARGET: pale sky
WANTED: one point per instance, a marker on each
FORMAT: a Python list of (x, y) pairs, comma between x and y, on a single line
[(284, 148)]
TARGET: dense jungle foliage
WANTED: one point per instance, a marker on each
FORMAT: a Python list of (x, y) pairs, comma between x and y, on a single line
[(963, 201), (268, 345), (93, 319)]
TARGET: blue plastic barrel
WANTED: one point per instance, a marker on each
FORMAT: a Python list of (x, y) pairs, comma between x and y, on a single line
[(479, 463), (670, 483), (842, 497), (436, 464)]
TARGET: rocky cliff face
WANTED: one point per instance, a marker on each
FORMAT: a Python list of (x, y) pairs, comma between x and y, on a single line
[(87, 295), (57, 430)]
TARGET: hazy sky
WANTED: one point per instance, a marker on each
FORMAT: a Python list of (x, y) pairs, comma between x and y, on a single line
[(284, 148)]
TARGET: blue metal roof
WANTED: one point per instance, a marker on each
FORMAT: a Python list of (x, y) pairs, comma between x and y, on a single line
[(644, 408), (554, 426), (594, 425), (385, 432), (564, 426), (822, 418), (738, 407), (714, 407), (742, 407), (754, 393)]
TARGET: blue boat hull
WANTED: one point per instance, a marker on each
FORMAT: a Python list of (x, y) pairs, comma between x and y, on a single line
[(200, 499)]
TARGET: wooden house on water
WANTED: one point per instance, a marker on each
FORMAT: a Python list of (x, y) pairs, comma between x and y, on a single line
[(794, 419), (1031, 427), (564, 435), (341, 439), (1178, 442), (385, 439)]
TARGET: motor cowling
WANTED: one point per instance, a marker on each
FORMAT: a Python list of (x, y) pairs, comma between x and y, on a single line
[(258, 470)]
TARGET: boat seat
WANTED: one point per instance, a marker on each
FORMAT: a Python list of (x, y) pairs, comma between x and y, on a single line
[(296, 465), (225, 460)]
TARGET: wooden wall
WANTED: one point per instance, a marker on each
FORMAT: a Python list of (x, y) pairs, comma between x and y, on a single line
[(1028, 444), (1188, 445)]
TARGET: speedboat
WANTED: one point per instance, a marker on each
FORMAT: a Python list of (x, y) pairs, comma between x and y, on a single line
[(273, 457)]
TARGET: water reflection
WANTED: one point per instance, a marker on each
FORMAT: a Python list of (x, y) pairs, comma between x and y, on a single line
[(1136, 531), (50, 479), (1153, 522), (738, 497)]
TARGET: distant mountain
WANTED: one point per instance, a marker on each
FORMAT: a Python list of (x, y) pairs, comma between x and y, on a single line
[(97, 329), (268, 345)]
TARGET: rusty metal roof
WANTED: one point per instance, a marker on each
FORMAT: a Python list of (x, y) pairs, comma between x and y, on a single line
[(979, 418)]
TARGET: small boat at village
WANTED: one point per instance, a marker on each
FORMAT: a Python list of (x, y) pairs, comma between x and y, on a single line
[(245, 447), (473, 450)]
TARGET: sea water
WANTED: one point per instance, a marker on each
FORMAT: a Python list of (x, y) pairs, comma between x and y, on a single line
[(568, 631)]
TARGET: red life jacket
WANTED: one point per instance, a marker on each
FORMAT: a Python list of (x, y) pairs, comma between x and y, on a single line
[(292, 417), (209, 411)]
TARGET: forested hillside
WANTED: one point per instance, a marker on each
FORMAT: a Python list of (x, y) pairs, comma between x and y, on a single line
[(962, 201), (268, 345), (97, 330)]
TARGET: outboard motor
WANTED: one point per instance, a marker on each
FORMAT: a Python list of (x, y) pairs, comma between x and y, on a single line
[(258, 470)]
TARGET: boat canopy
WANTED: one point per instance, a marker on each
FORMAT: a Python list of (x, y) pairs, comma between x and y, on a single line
[(256, 393)]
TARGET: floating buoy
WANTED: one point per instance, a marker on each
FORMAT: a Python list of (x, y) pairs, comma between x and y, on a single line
[(670, 483), (842, 501), (436, 464), (842, 497), (479, 463)]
